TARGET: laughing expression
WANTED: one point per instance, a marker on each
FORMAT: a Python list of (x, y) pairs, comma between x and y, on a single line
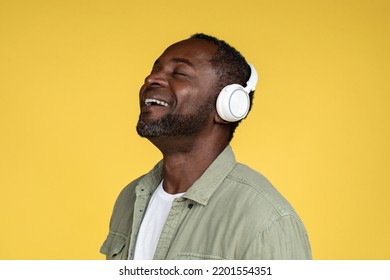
[(178, 97)]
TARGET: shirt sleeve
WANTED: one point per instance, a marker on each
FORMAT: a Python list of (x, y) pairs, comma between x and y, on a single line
[(283, 239)]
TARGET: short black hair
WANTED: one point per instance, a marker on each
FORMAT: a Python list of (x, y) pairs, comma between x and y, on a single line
[(231, 67)]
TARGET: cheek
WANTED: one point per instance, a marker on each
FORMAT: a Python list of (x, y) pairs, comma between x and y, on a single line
[(187, 103), (185, 95), (191, 98), (140, 92)]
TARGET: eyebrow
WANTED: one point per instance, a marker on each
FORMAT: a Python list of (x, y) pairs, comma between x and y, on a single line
[(178, 60)]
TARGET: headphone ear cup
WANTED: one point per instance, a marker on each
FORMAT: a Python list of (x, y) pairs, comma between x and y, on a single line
[(233, 103)]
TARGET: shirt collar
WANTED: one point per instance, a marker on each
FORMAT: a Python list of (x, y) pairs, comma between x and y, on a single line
[(149, 183), (203, 188)]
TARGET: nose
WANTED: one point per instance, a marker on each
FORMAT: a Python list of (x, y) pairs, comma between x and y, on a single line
[(156, 79)]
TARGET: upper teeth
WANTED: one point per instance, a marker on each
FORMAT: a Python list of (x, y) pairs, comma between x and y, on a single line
[(149, 101)]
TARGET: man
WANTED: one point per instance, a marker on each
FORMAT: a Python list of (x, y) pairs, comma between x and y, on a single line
[(198, 202)]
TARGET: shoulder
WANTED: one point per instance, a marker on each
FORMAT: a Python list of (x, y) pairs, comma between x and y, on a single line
[(123, 205), (148, 181), (128, 193), (280, 231), (255, 187), (130, 187)]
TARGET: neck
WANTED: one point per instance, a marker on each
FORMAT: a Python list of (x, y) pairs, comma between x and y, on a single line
[(185, 162)]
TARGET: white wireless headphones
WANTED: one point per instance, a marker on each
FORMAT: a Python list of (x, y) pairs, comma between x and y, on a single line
[(233, 100)]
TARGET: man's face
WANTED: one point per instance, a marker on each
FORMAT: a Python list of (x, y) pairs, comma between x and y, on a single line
[(178, 97)]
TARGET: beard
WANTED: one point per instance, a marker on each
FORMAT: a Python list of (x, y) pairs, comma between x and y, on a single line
[(176, 124)]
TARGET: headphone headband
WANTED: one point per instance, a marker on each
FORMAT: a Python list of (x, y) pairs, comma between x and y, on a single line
[(252, 82)]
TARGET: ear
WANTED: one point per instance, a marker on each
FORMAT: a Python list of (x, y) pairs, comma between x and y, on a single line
[(219, 120)]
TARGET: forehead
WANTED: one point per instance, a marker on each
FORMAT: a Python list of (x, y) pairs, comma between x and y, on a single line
[(196, 51)]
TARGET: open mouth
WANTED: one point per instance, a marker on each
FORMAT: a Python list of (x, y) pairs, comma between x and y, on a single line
[(153, 101)]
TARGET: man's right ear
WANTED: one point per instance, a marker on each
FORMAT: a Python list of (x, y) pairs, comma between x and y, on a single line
[(219, 120)]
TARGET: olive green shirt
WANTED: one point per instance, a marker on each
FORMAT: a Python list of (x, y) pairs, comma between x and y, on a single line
[(230, 212)]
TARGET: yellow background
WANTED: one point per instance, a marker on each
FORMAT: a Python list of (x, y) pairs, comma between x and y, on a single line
[(319, 130)]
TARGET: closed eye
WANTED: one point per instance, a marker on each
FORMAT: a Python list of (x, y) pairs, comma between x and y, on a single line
[(180, 74)]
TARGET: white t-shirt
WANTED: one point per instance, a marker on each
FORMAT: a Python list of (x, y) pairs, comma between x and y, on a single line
[(153, 222)]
